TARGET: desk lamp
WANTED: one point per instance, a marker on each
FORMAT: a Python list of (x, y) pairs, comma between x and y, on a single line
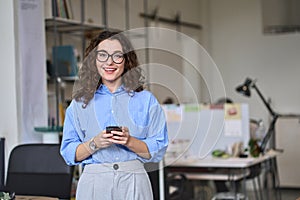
[(245, 89)]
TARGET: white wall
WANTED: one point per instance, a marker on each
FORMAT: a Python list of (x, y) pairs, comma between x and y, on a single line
[(8, 106), (240, 50), (23, 76)]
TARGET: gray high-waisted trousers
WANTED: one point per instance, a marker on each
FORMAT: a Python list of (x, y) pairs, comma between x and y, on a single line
[(114, 181)]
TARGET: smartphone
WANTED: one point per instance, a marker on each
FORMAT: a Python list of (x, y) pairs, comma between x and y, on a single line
[(113, 128)]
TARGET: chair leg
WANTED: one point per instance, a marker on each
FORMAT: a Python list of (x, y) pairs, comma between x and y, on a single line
[(255, 188), (260, 188)]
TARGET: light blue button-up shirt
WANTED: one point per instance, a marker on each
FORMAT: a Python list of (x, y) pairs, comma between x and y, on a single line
[(139, 111)]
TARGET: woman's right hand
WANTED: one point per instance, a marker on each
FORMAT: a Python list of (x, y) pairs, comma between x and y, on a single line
[(102, 140)]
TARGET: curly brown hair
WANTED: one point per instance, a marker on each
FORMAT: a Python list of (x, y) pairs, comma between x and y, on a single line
[(88, 77)]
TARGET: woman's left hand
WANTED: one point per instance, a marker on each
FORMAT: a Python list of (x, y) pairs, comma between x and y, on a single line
[(121, 137)]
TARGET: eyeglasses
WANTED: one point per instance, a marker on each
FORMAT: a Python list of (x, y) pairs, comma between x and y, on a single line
[(117, 57)]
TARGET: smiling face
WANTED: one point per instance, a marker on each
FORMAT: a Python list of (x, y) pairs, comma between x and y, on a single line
[(109, 70)]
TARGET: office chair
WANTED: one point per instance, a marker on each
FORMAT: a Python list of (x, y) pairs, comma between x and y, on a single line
[(254, 175), (39, 170), (179, 183), (255, 172)]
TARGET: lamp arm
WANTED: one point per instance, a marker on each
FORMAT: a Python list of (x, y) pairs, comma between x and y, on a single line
[(269, 133), (264, 100)]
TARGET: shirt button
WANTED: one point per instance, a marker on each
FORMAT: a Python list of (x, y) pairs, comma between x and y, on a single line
[(116, 166)]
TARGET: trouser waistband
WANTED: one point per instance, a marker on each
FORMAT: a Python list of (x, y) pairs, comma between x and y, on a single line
[(128, 166)]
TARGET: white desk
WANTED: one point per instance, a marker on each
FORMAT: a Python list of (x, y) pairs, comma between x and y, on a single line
[(216, 162), (230, 169)]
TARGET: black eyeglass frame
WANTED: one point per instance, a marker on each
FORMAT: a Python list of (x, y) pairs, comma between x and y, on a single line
[(110, 55)]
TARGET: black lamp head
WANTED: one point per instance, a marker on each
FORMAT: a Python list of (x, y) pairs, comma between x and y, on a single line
[(245, 88)]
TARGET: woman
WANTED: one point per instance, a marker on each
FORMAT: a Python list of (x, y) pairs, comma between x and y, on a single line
[(110, 92)]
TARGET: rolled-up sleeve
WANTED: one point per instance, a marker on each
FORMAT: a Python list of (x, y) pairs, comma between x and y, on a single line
[(70, 139), (157, 140)]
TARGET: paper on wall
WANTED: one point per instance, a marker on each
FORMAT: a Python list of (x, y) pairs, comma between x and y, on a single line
[(173, 113), (233, 120)]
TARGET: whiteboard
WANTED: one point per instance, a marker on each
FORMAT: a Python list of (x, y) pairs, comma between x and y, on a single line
[(200, 130)]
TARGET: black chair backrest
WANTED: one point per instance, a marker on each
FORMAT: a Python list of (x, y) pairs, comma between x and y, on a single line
[(39, 169)]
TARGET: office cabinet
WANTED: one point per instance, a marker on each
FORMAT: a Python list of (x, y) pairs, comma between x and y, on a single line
[(287, 138)]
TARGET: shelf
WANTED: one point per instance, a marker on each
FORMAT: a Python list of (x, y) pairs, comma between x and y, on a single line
[(50, 133), (58, 30), (62, 79), (63, 25), (69, 78), (49, 129), (280, 29)]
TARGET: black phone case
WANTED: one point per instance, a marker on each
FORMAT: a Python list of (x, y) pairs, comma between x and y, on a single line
[(113, 128)]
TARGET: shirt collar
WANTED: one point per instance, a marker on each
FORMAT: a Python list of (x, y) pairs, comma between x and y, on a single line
[(103, 89)]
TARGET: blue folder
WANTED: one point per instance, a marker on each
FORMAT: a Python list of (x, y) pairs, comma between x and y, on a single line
[(64, 60)]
